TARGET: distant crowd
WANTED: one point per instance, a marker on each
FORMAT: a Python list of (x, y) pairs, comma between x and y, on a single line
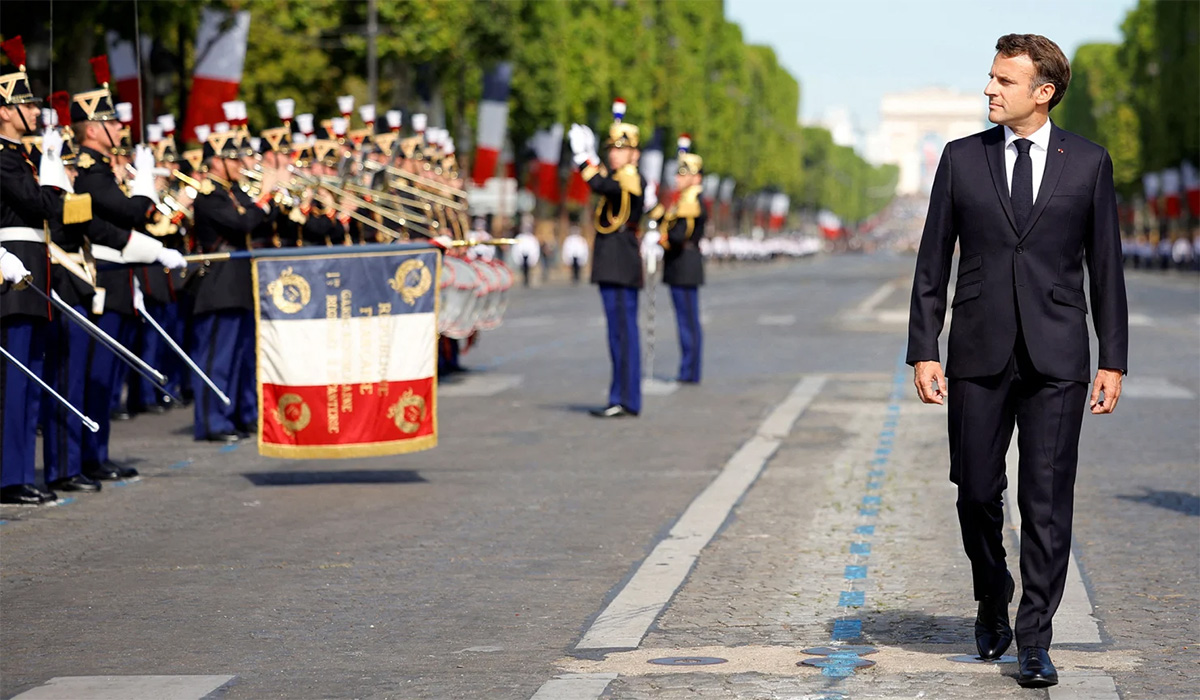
[(1182, 253)]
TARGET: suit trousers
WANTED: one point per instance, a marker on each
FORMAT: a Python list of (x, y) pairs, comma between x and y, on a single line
[(24, 338), (621, 311), (1048, 415), (691, 337), (67, 372)]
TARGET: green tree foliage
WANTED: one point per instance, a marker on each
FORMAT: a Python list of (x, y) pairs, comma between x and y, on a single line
[(680, 65), (1141, 98)]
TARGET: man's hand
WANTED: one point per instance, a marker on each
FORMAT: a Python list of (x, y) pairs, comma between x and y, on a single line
[(1108, 382), (930, 382), (12, 270)]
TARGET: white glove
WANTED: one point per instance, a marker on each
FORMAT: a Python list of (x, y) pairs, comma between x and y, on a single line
[(171, 258), (143, 183), (650, 199), (444, 241), (51, 172), (12, 270), (139, 299), (583, 144)]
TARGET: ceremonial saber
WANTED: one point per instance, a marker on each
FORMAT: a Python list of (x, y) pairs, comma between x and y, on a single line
[(98, 333), (184, 356), (87, 422)]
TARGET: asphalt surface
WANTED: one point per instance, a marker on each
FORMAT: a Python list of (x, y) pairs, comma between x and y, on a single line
[(473, 570)]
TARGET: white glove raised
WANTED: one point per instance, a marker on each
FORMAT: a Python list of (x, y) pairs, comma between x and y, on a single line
[(139, 299), (171, 259), (12, 270), (650, 198), (583, 144), (143, 183), (51, 172)]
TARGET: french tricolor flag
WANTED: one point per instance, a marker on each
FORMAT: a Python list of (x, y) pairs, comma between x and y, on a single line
[(220, 57), (780, 204), (347, 349), (493, 122), (122, 59)]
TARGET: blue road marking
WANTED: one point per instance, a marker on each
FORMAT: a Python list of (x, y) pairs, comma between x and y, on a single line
[(229, 448), (854, 572), (872, 485), (872, 500), (864, 530), (181, 465), (868, 512), (862, 549), (847, 629), (852, 599), (883, 451), (876, 473)]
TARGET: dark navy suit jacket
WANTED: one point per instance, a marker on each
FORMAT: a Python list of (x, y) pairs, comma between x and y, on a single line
[(1029, 280)]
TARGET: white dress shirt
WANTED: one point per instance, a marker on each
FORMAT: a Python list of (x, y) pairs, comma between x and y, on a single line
[(1037, 154)]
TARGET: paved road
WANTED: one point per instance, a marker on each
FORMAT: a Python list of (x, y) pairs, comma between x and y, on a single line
[(489, 567)]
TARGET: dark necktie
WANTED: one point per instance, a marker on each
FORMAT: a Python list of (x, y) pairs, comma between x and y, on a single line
[(1022, 184)]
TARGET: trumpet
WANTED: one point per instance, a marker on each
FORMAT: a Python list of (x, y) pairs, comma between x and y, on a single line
[(422, 225)]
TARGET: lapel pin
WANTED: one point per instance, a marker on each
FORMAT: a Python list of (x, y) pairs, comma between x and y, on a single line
[(1060, 150)]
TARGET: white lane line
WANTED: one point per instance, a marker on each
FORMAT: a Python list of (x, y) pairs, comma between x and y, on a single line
[(574, 686), (777, 320), (868, 305), (626, 619), (476, 385), (1085, 685), (126, 688), (1074, 622)]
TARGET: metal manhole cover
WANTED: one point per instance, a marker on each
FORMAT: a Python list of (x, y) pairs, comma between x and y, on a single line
[(861, 650), (838, 662), (973, 659), (688, 661)]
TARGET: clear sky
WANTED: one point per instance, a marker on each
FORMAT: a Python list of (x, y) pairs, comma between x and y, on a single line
[(849, 53)]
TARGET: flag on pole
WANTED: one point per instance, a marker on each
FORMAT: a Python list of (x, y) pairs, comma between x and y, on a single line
[(122, 59), (220, 57), (780, 204), (1191, 186), (1152, 187), (493, 121), (1171, 193), (547, 147), (347, 353)]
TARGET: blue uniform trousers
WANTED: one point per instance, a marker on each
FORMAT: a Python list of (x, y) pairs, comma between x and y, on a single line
[(621, 310), (24, 338), (66, 370), (144, 393), (691, 338), (224, 347), (105, 371)]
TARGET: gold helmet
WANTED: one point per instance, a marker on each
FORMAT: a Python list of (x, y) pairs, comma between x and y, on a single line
[(622, 134)]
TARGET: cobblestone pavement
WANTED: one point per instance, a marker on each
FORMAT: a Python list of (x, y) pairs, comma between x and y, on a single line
[(473, 570)]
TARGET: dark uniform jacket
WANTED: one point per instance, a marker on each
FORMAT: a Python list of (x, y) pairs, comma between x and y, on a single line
[(224, 220), (319, 229), (617, 255), (24, 203), (114, 216), (683, 266)]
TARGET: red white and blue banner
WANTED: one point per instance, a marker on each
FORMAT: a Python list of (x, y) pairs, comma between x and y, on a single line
[(220, 57), (493, 122), (347, 353)]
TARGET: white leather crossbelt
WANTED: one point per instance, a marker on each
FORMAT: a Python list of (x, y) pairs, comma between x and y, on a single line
[(22, 233)]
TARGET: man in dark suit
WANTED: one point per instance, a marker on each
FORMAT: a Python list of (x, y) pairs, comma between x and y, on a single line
[(1029, 205)]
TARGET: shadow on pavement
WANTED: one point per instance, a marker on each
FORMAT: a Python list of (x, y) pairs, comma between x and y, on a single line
[(916, 628), (327, 478), (1178, 501)]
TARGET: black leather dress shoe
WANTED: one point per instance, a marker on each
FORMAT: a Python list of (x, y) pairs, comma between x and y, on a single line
[(101, 472), (1037, 671), (245, 430), (613, 412), (49, 498), (223, 437), (993, 634), (79, 483), (21, 495), (123, 471)]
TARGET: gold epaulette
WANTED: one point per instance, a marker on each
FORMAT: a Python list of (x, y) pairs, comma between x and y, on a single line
[(77, 208), (657, 213), (629, 179), (688, 206)]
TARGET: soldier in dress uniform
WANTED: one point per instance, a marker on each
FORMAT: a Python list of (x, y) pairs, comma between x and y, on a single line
[(114, 235), (32, 194), (682, 227), (276, 150), (616, 259), (223, 327)]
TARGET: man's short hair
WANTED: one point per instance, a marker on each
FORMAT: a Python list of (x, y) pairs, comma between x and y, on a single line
[(1050, 64)]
